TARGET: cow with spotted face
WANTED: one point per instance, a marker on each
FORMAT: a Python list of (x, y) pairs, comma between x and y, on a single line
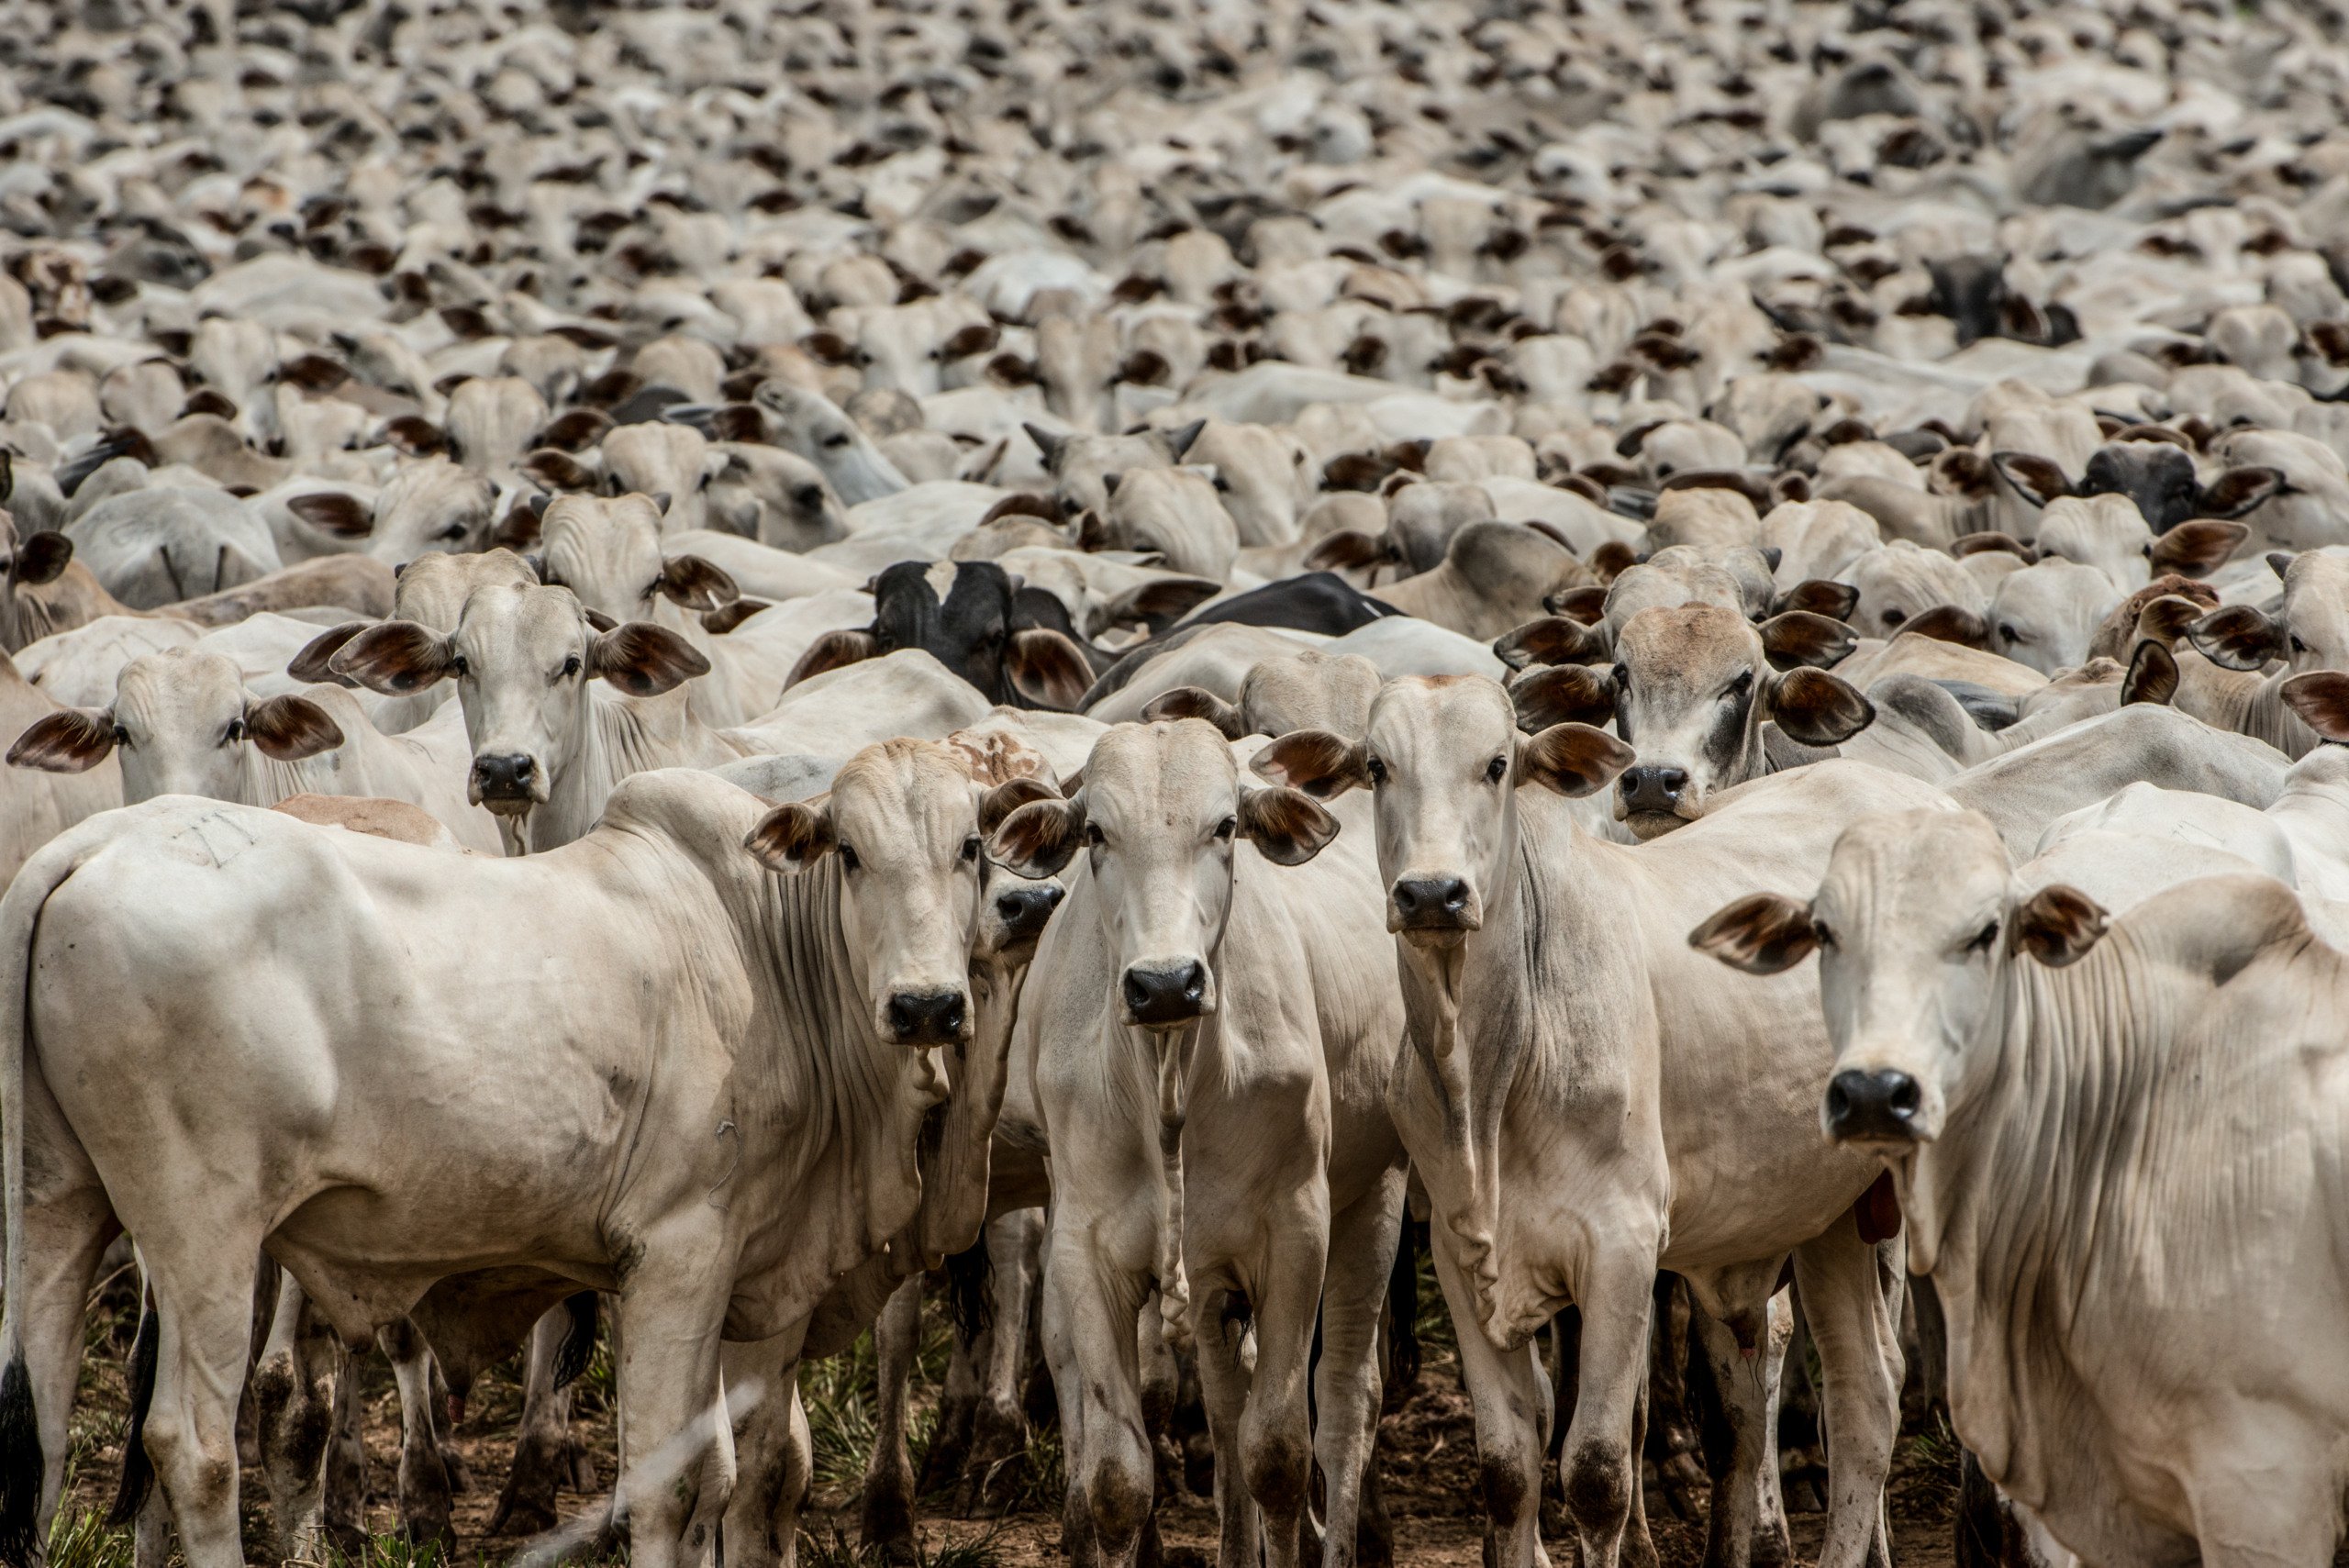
[(1212, 1030), (1569, 1052), (2060, 1097), (975, 620)]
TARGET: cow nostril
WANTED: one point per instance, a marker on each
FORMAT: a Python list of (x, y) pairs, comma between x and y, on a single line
[(1137, 994), (925, 1018)]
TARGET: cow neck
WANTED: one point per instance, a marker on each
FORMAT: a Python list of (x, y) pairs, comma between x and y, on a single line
[(2243, 702), (819, 1101), (616, 740), (2010, 1205)]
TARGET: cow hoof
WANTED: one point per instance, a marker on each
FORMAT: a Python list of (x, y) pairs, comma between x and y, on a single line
[(886, 1525), (1772, 1547)]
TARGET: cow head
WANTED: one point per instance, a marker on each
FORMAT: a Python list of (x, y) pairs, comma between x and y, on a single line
[(815, 429), (181, 723), (2159, 477), (969, 617), (608, 553), (2308, 632), (1159, 817), (901, 826), (1445, 758), (428, 503), (522, 658), (32, 560)]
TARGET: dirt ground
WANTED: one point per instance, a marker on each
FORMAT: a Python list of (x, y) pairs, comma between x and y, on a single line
[(1427, 1453)]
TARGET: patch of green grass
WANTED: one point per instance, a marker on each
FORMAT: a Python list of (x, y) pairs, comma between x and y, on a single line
[(81, 1538)]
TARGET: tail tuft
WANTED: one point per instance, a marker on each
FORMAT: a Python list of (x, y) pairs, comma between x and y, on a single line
[(138, 1470), (578, 1345), (970, 1275), (20, 1466)]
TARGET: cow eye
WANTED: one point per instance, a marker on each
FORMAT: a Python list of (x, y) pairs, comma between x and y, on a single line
[(1225, 829), (1622, 678), (837, 439), (2298, 646), (1092, 835), (1740, 686), (121, 736), (234, 733), (848, 858), (971, 849), (1497, 769), (570, 666), (459, 668), (1894, 614), (2007, 632), (454, 531), (1375, 769), (807, 496), (1823, 933), (1983, 939)]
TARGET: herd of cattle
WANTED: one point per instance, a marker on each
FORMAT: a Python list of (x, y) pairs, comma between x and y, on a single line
[(699, 658)]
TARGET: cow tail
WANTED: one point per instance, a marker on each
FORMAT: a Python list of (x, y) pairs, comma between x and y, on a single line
[(969, 1274), (578, 1347), (138, 1470), (21, 1462)]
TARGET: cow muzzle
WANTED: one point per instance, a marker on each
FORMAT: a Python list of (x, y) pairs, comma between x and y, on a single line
[(1439, 906), (1877, 1106), (928, 1018), (1024, 911), (507, 782), (1164, 996)]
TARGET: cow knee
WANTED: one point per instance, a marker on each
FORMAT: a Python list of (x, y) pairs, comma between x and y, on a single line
[(1120, 1498), (195, 1479), (1598, 1488), (1505, 1489), (1276, 1467)]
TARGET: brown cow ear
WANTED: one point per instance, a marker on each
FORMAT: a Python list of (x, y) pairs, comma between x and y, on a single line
[(696, 583), (1160, 604), (599, 619), (1572, 759), (290, 727), (1991, 538), (1287, 825), (1552, 640), (2238, 637), (1800, 638), (332, 512), (311, 663), (2239, 490), (394, 658), (1038, 839), (792, 838), (1612, 559), (2151, 677), (2166, 619), (2036, 479), (1836, 601), (1950, 623), (1347, 549), (72, 740), (1010, 796), (2056, 924), (1563, 694), (1817, 708), (718, 622), (1322, 764), (43, 557), (2321, 700), (2197, 548), (1195, 702), (644, 660), (1048, 669), (1766, 933), (1588, 604), (833, 650)]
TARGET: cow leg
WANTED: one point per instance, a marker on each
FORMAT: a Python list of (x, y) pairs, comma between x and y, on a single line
[(205, 1341), (1854, 1311), (1738, 1345), (294, 1392), (772, 1450), (1346, 1385), (1510, 1393), (1095, 1318), (424, 1489), (676, 1444), (947, 1460), (1221, 1316), (65, 1235), (346, 1509), (886, 1521), (1600, 1472), (543, 1444), (998, 1429), (1056, 1338)]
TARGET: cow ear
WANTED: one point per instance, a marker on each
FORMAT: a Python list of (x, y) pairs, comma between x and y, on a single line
[(1587, 605), (1950, 623), (1052, 446), (1349, 549), (71, 740), (1048, 669), (1322, 764), (833, 650), (394, 658), (42, 557), (718, 622), (1179, 440), (696, 583), (1563, 694), (1800, 638), (1768, 933), (2279, 562), (2167, 618), (2151, 677), (644, 660), (2241, 490), (1038, 839), (290, 727), (2238, 637), (1836, 601), (1614, 558), (1991, 538), (2036, 479), (332, 512), (599, 619), (2321, 700), (1818, 709), (1552, 640), (792, 838), (2196, 549), (1572, 759), (2056, 924), (311, 664), (1009, 796), (1195, 702), (1159, 604), (1287, 825)]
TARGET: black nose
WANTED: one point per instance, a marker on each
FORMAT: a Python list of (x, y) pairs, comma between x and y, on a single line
[(1653, 789), (1173, 993), (1872, 1106), (1432, 903), (1025, 909), (507, 777), (925, 1018)]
